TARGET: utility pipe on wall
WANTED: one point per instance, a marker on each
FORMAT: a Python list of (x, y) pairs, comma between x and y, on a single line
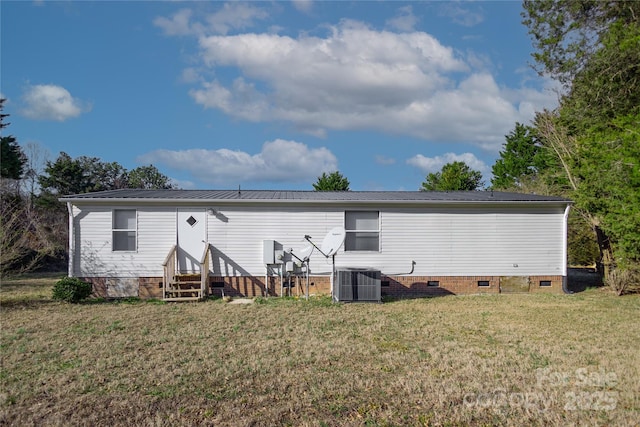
[(565, 227), (72, 249)]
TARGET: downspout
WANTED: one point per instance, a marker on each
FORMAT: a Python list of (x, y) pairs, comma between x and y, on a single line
[(565, 225), (72, 249)]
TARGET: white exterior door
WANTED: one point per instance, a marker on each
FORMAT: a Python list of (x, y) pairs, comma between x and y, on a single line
[(192, 234)]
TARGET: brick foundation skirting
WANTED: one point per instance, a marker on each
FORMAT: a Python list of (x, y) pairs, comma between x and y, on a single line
[(395, 286)]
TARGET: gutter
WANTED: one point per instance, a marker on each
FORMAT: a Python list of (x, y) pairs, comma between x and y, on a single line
[(280, 202)]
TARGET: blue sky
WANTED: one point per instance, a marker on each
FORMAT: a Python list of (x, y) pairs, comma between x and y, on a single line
[(269, 95)]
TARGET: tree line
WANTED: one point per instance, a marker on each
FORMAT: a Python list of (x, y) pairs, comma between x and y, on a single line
[(34, 223), (587, 149)]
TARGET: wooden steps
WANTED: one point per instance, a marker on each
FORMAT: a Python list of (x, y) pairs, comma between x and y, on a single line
[(180, 299), (184, 287), (180, 291)]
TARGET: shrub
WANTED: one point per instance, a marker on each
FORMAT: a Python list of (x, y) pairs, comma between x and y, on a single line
[(71, 289), (623, 281)]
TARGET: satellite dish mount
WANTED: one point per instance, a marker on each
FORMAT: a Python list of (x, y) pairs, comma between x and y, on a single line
[(330, 246), (305, 256)]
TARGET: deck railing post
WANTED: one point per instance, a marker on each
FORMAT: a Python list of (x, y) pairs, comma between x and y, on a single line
[(204, 271), (169, 270)]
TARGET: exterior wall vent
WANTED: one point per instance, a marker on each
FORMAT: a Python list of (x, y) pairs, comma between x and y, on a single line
[(357, 285)]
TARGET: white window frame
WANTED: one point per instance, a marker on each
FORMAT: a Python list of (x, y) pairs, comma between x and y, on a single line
[(350, 232), (115, 230)]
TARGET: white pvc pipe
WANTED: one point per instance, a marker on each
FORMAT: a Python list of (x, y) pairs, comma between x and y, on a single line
[(565, 227), (72, 249)]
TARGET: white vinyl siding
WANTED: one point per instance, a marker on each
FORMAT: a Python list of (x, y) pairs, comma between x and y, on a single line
[(474, 241), (94, 256), (456, 240), (237, 235), (442, 241)]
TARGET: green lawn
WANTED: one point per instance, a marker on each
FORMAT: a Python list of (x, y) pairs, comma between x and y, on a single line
[(455, 360)]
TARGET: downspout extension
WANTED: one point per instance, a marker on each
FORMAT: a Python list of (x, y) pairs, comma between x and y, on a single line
[(72, 249), (565, 278)]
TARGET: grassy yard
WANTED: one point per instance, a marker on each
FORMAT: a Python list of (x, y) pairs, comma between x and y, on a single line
[(479, 360)]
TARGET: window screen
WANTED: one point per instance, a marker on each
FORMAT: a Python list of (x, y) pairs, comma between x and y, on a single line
[(124, 230), (363, 231)]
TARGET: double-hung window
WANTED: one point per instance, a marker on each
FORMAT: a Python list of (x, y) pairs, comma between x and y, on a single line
[(363, 231), (124, 229)]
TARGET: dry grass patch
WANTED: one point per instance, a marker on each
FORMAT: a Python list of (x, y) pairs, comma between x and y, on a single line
[(483, 360), (27, 290)]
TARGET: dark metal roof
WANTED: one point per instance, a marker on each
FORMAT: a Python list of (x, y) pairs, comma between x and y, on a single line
[(307, 196)]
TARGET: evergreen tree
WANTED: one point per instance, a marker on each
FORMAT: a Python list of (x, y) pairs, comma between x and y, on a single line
[(86, 174), (593, 48), (12, 158), (521, 158), (68, 176), (148, 177), (455, 176), (331, 182)]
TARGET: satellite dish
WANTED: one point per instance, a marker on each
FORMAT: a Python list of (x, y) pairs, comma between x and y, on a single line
[(333, 240), (305, 252)]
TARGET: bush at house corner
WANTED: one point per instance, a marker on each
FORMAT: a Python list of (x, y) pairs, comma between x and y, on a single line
[(71, 289)]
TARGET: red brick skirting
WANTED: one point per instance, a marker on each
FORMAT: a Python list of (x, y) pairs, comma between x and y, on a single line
[(395, 286)]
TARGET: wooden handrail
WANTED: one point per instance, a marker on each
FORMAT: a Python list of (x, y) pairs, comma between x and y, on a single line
[(204, 270), (207, 248), (171, 251), (169, 269), (170, 263)]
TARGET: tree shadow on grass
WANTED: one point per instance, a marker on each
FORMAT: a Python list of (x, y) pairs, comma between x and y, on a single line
[(24, 303), (431, 293), (36, 303), (581, 279)]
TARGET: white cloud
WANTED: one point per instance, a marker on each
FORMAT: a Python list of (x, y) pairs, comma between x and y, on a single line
[(183, 184), (190, 75), (178, 25), (383, 160), (303, 5), (528, 100), (348, 80), (405, 20), (464, 16), (357, 78), (51, 102), (232, 16), (279, 161), (435, 164), (214, 95)]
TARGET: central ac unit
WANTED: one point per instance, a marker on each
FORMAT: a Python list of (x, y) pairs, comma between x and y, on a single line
[(357, 284)]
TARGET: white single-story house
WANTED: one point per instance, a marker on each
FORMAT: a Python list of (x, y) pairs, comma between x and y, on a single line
[(187, 244)]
